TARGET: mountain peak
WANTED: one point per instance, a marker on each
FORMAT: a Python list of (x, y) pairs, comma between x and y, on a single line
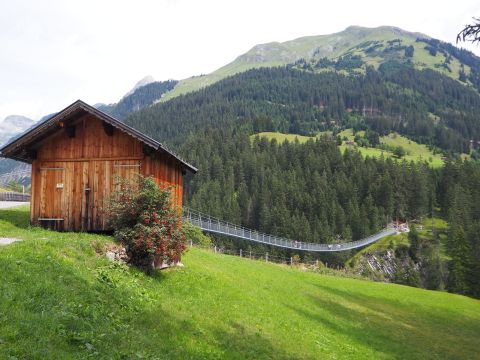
[(12, 125), (16, 121), (144, 81)]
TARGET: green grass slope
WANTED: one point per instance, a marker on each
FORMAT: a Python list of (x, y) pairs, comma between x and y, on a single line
[(61, 299), (354, 40), (414, 151)]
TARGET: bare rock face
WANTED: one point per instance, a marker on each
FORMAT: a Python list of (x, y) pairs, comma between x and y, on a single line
[(13, 125), (383, 265)]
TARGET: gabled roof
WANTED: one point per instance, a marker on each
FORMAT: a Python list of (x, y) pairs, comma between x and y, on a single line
[(17, 148)]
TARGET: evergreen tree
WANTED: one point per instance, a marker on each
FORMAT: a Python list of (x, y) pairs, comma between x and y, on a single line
[(415, 244)]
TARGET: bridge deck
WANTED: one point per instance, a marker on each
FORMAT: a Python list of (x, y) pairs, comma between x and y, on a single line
[(217, 226)]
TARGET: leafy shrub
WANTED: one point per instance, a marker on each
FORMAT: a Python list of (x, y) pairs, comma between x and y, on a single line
[(195, 234), (146, 222)]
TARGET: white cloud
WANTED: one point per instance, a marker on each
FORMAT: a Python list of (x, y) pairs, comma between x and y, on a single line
[(54, 52)]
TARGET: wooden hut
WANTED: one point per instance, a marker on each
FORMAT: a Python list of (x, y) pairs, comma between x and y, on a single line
[(76, 156)]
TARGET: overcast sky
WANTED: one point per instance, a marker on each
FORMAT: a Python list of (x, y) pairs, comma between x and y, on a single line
[(54, 52)]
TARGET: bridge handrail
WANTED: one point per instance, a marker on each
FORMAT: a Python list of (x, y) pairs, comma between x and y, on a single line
[(215, 225)]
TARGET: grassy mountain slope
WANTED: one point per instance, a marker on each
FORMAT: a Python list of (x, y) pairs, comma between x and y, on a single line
[(60, 298), (354, 40), (414, 151)]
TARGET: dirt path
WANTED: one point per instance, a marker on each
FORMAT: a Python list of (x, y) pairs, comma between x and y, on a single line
[(7, 241), (10, 204)]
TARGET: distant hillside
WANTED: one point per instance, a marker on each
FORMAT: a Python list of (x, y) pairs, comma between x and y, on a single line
[(60, 298), (424, 105), (373, 46), (10, 127), (140, 97), (385, 147)]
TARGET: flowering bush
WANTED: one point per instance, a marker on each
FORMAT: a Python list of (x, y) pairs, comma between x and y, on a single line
[(146, 222)]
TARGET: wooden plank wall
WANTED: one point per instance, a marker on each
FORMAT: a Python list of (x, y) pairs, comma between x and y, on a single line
[(73, 177), (90, 142)]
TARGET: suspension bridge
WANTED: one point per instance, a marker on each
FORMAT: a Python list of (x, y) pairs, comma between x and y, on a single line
[(213, 225)]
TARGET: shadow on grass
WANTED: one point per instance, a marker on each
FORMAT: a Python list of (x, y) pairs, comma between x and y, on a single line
[(395, 328)]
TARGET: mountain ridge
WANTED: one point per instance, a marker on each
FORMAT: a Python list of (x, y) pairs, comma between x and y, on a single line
[(333, 45)]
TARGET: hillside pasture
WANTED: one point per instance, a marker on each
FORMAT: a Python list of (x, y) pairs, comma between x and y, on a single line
[(61, 298)]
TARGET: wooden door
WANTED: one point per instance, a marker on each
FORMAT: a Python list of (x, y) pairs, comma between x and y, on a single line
[(53, 207), (103, 178)]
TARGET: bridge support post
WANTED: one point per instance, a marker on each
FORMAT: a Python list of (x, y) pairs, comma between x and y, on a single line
[(191, 243), (266, 257), (215, 249), (240, 252), (291, 261)]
